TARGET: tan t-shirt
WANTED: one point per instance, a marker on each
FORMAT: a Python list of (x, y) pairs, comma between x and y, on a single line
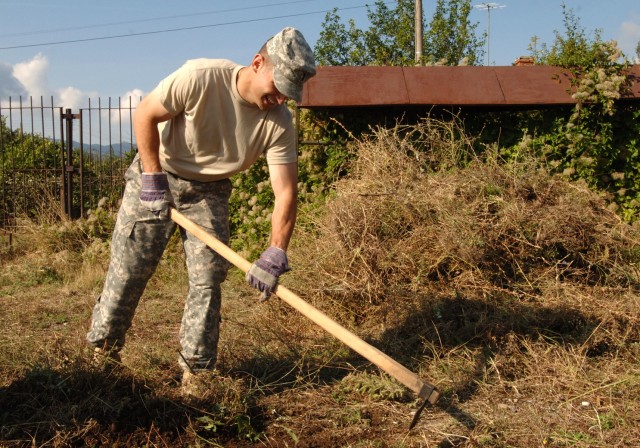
[(214, 133)]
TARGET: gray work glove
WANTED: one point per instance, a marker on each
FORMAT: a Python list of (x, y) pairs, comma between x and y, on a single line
[(154, 191), (264, 272)]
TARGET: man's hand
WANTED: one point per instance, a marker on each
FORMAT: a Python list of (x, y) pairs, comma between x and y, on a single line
[(263, 274), (154, 191)]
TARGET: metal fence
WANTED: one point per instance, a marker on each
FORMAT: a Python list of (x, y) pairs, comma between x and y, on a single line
[(54, 158)]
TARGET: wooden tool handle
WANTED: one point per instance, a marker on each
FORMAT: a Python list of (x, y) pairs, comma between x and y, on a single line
[(386, 363)]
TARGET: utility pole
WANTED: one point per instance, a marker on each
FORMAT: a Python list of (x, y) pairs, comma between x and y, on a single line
[(418, 32), (488, 7)]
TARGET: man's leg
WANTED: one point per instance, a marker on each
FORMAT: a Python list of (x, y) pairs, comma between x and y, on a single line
[(207, 204), (138, 241)]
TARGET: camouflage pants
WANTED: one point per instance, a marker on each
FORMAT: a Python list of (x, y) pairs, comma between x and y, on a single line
[(138, 242)]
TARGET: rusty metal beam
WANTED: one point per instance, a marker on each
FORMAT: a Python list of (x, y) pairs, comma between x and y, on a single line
[(535, 85)]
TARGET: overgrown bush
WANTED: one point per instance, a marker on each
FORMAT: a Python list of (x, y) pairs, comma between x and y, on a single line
[(599, 141), (398, 222)]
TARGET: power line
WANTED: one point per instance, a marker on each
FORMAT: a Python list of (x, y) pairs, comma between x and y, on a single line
[(145, 33), (153, 19)]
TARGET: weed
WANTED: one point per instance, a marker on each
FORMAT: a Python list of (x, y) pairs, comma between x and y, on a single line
[(572, 437), (610, 420), (375, 387)]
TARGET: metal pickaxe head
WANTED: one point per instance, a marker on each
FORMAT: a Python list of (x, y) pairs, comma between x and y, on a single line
[(430, 395)]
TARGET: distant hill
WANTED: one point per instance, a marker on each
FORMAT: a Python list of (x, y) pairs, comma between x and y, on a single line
[(115, 149)]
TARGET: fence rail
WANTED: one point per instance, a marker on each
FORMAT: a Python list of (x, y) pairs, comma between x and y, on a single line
[(53, 157)]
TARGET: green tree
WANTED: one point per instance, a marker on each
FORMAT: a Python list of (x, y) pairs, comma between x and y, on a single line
[(23, 151), (450, 38), (390, 38), (338, 45), (575, 48)]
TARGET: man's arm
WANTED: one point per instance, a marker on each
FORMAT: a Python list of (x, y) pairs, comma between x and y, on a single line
[(264, 272), (149, 113), (284, 182)]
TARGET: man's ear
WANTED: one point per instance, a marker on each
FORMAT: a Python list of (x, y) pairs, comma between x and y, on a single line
[(257, 62)]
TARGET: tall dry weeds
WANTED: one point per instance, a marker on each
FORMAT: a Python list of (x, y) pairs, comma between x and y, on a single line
[(515, 291), (487, 224)]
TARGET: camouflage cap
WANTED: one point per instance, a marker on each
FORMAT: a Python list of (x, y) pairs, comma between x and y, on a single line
[(293, 62)]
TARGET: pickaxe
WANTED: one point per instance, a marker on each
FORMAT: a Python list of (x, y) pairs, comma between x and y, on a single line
[(424, 390)]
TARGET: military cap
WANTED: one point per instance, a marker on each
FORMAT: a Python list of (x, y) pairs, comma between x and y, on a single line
[(292, 60)]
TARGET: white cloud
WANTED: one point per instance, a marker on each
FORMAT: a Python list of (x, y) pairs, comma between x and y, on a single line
[(72, 98), (33, 76), (135, 95), (9, 85), (30, 79), (629, 36), (103, 117), (120, 111)]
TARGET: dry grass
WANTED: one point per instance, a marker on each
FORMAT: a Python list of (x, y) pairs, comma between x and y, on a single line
[(514, 291)]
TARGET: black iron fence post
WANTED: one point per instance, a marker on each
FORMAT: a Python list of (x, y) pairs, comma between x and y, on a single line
[(69, 169)]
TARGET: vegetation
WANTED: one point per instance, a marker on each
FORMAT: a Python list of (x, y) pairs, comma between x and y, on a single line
[(574, 47), (598, 141), (32, 166), (450, 38), (22, 151), (515, 291), (28, 169)]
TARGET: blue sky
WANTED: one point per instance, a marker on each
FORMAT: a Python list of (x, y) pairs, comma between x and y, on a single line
[(126, 47)]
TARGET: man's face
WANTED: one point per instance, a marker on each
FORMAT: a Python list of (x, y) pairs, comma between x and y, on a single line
[(266, 92)]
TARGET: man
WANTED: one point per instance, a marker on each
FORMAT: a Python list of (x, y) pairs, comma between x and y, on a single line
[(208, 120)]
